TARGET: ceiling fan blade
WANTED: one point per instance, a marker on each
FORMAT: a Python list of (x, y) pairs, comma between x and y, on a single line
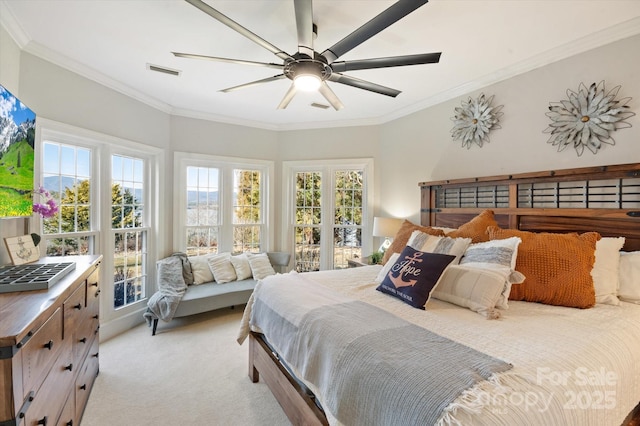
[(287, 97), (228, 60), (304, 24), (390, 61), (362, 84), (253, 83), (239, 28), (394, 13), (331, 97)]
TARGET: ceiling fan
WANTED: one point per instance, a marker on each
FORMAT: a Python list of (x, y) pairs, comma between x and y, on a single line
[(310, 70)]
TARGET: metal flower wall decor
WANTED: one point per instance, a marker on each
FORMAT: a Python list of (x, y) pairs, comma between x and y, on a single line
[(588, 118), (474, 120)]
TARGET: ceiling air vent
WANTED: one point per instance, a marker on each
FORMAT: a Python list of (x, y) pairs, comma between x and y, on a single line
[(163, 70), (321, 106)]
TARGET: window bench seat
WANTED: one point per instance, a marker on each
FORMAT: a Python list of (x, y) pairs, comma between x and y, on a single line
[(210, 296)]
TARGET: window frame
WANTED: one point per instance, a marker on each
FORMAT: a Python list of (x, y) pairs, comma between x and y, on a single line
[(327, 168), (226, 166), (102, 148)]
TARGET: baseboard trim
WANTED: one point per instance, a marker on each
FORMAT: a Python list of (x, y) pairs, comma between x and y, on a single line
[(120, 325)]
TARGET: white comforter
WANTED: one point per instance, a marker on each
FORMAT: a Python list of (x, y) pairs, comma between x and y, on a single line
[(571, 366)]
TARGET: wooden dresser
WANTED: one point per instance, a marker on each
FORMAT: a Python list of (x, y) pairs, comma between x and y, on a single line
[(49, 348)]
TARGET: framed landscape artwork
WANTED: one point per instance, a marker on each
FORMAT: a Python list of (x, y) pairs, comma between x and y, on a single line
[(17, 137)]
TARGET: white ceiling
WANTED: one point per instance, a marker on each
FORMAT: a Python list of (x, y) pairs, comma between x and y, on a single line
[(112, 41)]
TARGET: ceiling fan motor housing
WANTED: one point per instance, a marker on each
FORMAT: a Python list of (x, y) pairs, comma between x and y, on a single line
[(306, 66)]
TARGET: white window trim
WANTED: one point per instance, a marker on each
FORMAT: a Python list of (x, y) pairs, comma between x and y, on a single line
[(103, 146), (182, 160), (327, 167)]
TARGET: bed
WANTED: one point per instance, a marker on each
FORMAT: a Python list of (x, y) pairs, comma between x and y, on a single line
[(533, 363)]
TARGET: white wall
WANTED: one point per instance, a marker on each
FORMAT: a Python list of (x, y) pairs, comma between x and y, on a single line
[(419, 147)]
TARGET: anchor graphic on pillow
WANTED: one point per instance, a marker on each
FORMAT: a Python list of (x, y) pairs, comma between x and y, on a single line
[(405, 269)]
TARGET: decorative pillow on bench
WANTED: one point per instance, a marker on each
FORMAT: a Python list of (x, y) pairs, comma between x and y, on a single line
[(200, 269), (260, 265), (221, 267)]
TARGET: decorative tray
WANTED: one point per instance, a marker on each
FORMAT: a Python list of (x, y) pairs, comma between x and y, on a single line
[(32, 276)]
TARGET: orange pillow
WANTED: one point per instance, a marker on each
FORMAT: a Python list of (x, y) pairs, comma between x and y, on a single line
[(476, 228), (402, 237), (557, 267)]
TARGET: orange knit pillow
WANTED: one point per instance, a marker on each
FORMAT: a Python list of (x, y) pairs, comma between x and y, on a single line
[(476, 228), (402, 237), (557, 267)]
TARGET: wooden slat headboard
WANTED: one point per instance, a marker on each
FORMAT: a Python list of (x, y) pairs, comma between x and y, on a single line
[(603, 199)]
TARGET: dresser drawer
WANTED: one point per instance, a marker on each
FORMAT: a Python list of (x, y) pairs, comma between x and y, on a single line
[(39, 353), (74, 310), (86, 377), (68, 415), (51, 398)]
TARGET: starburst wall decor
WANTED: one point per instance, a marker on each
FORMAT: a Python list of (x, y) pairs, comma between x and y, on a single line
[(474, 120), (587, 118)]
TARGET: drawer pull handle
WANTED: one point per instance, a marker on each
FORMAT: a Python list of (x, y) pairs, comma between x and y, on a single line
[(69, 367), (49, 344), (69, 423), (97, 293), (94, 284), (95, 317), (78, 306), (83, 387), (83, 340), (95, 355), (43, 421)]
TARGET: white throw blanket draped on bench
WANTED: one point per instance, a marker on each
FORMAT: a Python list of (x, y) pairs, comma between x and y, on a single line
[(171, 287)]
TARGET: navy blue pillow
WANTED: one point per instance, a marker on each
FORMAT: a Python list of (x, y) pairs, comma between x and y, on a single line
[(414, 275)]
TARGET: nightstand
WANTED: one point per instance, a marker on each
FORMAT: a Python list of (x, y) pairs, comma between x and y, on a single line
[(359, 261)]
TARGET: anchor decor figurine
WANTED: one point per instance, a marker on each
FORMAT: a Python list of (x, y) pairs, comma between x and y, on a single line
[(22, 249)]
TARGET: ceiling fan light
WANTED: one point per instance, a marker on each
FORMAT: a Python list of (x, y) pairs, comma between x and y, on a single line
[(307, 82)]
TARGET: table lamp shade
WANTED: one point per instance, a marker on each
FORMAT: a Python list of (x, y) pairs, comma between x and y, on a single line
[(386, 227)]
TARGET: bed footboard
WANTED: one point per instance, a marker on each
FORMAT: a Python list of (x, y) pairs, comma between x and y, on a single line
[(296, 403)]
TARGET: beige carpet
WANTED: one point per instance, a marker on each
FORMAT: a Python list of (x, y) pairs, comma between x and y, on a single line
[(192, 372)]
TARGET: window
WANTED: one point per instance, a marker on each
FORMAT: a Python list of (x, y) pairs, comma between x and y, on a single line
[(225, 204), (328, 212), (247, 209), (203, 210), (129, 233), (105, 187), (67, 175)]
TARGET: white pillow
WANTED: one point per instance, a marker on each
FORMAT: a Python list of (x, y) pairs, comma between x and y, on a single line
[(200, 269), (498, 256), (441, 245), (222, 268), (240, 263), (629, 277), (260, 265), (476, 289), (605, 270), (386, 268)]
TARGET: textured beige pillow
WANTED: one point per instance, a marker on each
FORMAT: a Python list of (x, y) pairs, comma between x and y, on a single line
[(557, 267), (606, 270), (629, 290), (240, 263), (476, 228), (200, 269), (402, 236), (442, 245), (260, 265), (222, 268)]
